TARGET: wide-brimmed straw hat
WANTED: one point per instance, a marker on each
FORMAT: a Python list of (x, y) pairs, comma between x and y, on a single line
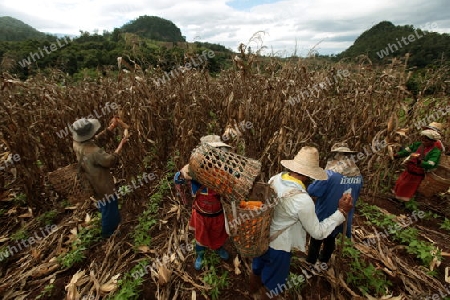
[(84, 129), (341, 147), (306, 162), (439, 127), (431, 134), (213, 141)]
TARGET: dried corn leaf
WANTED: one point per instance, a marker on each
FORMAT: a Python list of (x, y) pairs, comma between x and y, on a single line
[(71, 288), (87, 219), (237, 263), (164, 275), (111, 285)]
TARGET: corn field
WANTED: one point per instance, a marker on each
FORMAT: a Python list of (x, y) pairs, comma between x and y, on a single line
[(362, 109), (289, 104)]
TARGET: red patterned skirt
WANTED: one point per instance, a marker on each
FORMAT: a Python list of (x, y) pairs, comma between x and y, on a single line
[(208, 221), (407, 185)]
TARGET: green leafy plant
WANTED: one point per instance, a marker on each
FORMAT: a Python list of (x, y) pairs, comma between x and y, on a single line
[(296, 283), (65, 203), (211, 277), (48, 217), (86, 236), (46, 291), (409, 236), (362, 274), (445, 225), (19, 235), (148, 218), (4, 254), (129, 287), (423, 250), (151, 155), (20, 199), (39, 164), (412, 205), (124, 190), (430, 215)]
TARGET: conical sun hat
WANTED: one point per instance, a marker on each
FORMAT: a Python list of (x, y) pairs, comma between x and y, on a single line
[(341, 147), (84, 129), (306, 162), (213, 141)]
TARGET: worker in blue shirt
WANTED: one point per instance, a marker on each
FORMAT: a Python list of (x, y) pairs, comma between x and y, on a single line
[(343, 175)]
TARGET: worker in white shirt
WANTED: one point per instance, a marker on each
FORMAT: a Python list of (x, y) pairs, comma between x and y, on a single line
[(293, 217)]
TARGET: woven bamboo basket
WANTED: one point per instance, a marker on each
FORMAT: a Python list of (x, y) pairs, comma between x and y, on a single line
[(69, 183), (443, 169), (250, 229), (437, 181), (228, 174)]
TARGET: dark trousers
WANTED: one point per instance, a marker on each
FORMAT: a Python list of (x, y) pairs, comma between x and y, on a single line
[(329, 245), (110, 216)]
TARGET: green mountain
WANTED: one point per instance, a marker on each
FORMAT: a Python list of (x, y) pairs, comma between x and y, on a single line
[(154, 28), (385, 41), (15, 30), (157, 43)]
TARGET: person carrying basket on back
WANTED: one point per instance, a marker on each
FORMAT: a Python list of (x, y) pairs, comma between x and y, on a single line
[(207, 219), (293, 217), (422, 156)]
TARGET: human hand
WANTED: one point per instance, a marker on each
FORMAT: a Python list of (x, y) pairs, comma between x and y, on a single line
[(113, 123), (185, 172), (345, 204)]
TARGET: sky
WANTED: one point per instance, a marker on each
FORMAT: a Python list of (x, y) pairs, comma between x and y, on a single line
[(286, 27)]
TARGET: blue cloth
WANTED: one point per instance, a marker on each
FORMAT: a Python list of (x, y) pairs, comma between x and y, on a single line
[(195, 185), (110, 216), (273, 267), (328, 193)]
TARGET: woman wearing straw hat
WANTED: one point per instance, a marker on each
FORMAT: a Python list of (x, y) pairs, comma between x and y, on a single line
[(343, 174), (423, 156), (207, 219), (96, 164), (293, 217)]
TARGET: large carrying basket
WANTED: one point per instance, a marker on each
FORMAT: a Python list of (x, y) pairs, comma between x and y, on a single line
[(228, 174), (68, 182), (250, 229), (437, 181)]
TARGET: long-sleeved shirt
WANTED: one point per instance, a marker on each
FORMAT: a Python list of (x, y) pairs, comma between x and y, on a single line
[(432, 156), (96, 164), (296, 212), (328, 193)]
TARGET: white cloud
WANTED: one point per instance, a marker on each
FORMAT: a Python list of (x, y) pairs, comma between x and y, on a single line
[(289, 24)]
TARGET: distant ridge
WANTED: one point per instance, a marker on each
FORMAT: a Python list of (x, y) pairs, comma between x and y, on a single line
[(384, 41), (14, 30)]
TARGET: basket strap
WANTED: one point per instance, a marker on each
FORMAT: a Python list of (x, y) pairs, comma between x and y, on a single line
[(279, 232)]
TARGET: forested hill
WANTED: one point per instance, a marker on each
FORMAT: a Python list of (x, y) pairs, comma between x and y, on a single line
[(154, 28), (153, 41), (150, 27), (385, 40), (15, 30)]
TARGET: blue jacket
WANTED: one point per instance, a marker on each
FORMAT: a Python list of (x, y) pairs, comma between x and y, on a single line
[(328, 193)]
